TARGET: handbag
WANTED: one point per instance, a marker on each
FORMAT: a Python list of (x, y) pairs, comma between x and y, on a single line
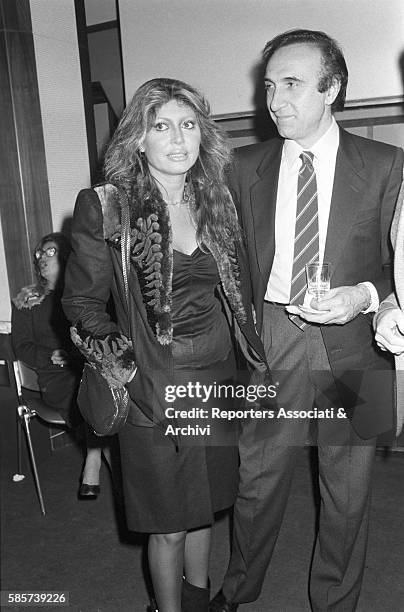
[(103, 407)]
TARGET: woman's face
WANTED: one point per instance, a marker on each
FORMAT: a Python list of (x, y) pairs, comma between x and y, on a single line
[(47, 260), (172, 144)]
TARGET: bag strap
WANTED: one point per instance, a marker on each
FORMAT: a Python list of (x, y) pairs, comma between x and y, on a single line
[(125, 243), (125, 252)]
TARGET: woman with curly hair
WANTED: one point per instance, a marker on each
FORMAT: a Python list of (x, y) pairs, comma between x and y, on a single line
[(190, 311), (41, 339)]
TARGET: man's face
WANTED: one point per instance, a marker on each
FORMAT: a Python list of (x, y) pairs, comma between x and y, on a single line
[(298, 109)]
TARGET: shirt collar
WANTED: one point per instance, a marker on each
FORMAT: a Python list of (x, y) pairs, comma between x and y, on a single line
[(325, 147)]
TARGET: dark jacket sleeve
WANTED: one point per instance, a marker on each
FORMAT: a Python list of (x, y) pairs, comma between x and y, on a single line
[(388, 204), (88, 281), (25, 346)]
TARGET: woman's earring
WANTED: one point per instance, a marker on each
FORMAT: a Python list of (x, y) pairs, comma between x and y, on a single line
[(142, 161)]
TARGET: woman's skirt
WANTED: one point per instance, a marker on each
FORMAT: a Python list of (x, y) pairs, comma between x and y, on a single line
[(168, 489), (177, 483)]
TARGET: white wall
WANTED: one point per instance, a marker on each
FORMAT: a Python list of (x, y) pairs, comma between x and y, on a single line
[(214, 44), (61, 99)]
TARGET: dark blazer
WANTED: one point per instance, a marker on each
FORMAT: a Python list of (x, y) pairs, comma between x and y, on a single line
[(94, 272), (366, 184)]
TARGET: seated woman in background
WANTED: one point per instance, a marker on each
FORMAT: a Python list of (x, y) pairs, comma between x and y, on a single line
[(187, 272), (41, 339)]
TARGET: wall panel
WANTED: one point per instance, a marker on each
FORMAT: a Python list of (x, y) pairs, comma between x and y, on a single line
[(215, 44), (24, 195), (61, 99)]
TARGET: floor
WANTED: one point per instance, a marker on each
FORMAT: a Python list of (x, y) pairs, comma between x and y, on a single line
[(83, 547)]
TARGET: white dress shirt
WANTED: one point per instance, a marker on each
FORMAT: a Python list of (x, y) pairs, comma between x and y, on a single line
[(325, 154)]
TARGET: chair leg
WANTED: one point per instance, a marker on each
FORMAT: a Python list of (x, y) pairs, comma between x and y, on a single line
[(27, 417), (19, 427)]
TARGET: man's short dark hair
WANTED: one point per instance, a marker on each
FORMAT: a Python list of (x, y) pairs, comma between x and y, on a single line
[(333, 61)]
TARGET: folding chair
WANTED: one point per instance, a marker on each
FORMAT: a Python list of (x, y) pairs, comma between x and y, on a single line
[(26, 378)]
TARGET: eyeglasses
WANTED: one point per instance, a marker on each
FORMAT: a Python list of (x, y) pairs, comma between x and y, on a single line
[(49, 252)]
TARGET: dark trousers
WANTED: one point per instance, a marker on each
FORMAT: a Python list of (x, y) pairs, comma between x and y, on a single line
[(268, 454)]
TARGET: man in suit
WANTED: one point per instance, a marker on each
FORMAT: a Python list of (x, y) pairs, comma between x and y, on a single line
[(316, 194)]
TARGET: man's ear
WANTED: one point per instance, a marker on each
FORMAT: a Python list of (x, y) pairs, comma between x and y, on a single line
[(333, 91)]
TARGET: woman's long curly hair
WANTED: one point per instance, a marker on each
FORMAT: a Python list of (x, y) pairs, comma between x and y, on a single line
[(125, 165)]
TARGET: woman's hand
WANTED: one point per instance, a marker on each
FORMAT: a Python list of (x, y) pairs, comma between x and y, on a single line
[(59, 357)]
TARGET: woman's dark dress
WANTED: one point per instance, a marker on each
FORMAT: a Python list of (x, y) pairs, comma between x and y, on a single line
[(188, 483), (36, 332)]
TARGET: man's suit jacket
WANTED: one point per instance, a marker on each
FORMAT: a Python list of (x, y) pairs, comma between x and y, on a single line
[(366, 183)]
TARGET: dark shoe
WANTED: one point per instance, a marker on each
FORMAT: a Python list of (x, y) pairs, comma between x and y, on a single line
[(193, 598), (89, 491), (220, 604), (152, 607)]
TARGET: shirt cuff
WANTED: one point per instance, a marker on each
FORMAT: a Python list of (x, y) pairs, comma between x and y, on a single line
[(388, 303), (374, 297)]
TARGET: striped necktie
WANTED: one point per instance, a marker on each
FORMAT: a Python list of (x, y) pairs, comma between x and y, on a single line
[(306, 245)]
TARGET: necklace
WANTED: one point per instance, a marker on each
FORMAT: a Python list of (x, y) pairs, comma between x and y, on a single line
[(178, 203), (185, 200)]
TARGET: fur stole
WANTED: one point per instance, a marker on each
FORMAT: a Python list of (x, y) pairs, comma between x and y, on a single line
[(152, 256), (29, 296)]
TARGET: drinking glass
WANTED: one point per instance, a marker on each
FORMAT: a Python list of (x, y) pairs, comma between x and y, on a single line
[(318, 278)]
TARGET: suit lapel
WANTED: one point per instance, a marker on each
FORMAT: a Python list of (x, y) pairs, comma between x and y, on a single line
[(347, 195), (263, 204)]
